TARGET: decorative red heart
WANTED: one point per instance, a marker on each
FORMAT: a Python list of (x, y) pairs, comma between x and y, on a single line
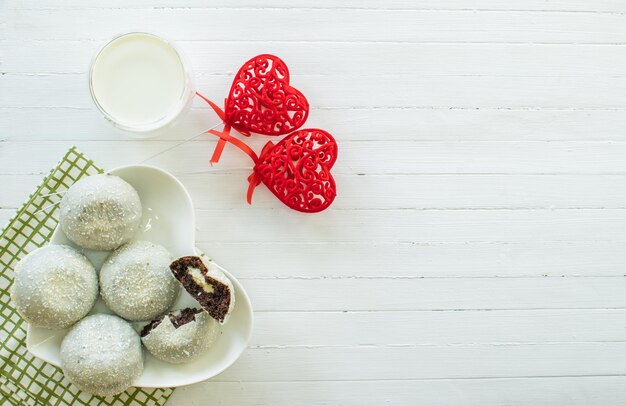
[(297, 170), (262, 101)]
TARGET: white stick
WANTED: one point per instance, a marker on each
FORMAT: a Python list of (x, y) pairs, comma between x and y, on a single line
[(53, 194), (44, 209), (180, 143)]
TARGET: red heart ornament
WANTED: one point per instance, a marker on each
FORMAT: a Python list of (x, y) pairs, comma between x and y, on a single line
[(262, 101), (297, 170)]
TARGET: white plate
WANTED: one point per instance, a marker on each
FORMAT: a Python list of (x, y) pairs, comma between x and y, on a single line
[(169, 220)]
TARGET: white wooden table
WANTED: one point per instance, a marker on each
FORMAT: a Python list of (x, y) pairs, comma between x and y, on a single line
[(476, 253)]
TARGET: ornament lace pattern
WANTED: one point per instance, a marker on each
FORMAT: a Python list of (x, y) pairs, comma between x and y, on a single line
[(297, 170), (262, 101)]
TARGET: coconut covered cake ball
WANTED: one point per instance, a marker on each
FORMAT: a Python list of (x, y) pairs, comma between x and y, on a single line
[(180, 336), (100, 212), (136, 283), (54, 287), (102, 355), (207, 284)]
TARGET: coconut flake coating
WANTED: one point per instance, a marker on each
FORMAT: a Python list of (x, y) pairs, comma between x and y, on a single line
[(100, 212), (175, 343), (102, 355), (136, 283), (54, 287)]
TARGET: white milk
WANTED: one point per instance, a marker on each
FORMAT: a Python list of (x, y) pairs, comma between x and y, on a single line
[(139, 82)]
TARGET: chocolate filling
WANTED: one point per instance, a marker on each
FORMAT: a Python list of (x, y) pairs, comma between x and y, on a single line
[(216, 303), (150, 326), (185, 316)]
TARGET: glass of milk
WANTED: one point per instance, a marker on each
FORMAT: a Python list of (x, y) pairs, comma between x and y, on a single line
[(140, 83)]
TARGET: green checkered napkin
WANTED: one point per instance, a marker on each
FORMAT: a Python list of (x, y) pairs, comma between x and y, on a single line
[(24, 379)]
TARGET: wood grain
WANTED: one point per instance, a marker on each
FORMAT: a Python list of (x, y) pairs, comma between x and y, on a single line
[(457, 294), (530, 5), (311, 329), (355, 157), (575, 391), (475, 253), (417, 191), (429, 362), (363, 91), (323, 25), (388, 124), (21, 57)]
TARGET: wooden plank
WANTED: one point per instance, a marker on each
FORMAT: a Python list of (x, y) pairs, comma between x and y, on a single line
[(574, 391), (329, 58), (505, 5), (321, 25), (430, 124), (355, 157), (223, 190), (456, 294), (341, 329), (389, 260), (418, 226), (445, 191), (411, 226), (428, 362), (381, 91)]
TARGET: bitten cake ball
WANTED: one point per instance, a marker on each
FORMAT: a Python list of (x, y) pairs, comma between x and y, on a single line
[(180, 336), (100, 212), (207, 284), (136, 283), (102, 355), (54, 287)]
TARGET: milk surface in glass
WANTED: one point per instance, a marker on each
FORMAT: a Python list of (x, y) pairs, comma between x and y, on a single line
[(139, 82)]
